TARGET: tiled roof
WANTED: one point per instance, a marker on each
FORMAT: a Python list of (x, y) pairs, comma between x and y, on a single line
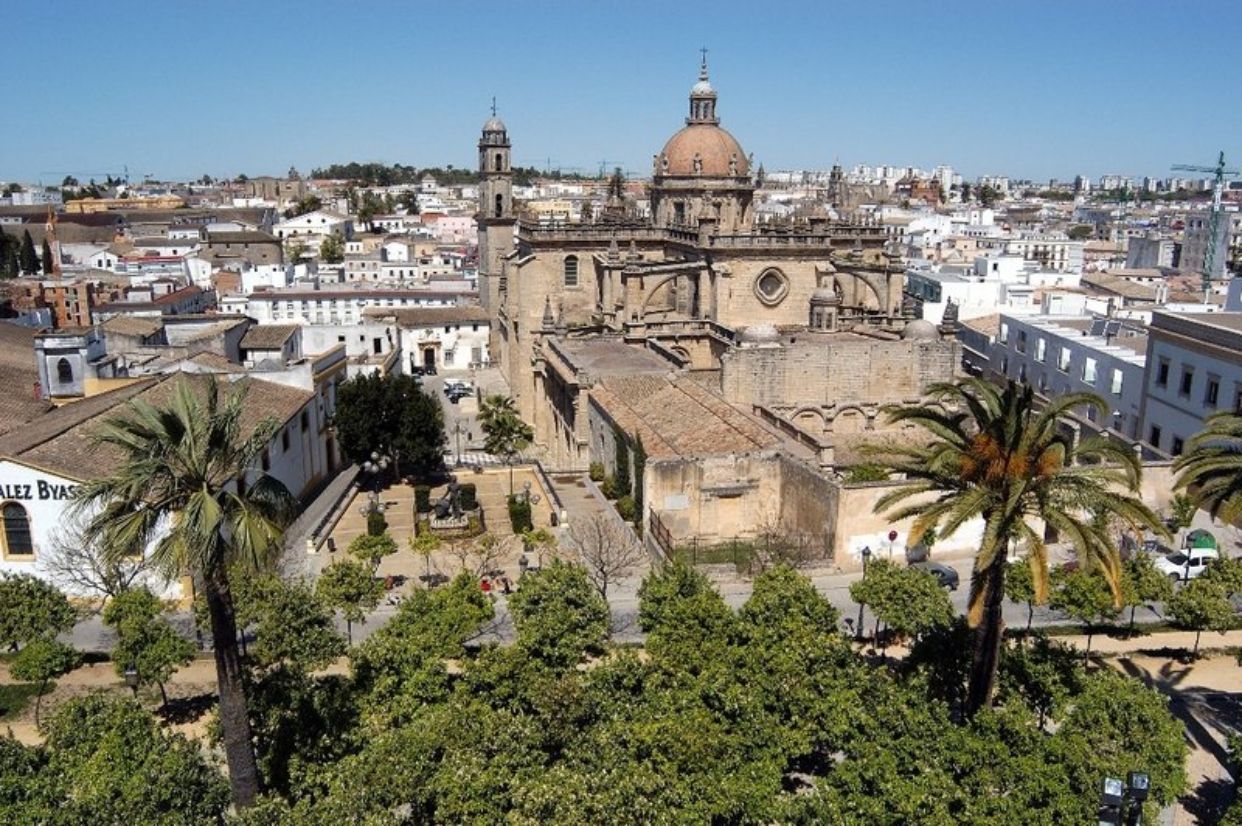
[(679, 418), (133, 325), (62, 441), (268, 336)]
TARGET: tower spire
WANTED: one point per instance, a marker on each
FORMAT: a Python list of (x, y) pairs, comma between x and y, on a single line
[(703, 64), (493, 106), (702, 97)]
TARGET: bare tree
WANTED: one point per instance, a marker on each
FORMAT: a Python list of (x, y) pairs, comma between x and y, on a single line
[(478, 556), (607, 548), (775, 545), (81, 568)]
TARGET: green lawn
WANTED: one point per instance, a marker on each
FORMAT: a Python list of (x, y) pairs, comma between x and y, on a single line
[(14, 698)]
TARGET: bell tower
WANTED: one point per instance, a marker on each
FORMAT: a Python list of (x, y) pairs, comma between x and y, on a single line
[(495, 217)]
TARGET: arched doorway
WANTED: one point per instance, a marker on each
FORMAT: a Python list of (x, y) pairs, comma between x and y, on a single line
[(429, 359)]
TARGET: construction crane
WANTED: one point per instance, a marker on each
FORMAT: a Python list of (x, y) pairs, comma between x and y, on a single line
[(1219, 174)]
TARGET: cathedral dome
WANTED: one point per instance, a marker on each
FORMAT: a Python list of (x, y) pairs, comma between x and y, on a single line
[(920, 330), (720, 155), (494, 124)]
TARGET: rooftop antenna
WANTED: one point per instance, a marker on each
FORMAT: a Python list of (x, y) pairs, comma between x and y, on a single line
[(1219, 173)]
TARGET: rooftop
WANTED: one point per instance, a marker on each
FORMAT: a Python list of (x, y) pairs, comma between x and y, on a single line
[(602, 357), (62, 440), (431, 316), (678, 417), (268, 336)]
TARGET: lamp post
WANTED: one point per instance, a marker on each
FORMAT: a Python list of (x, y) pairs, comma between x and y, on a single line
[(1122, 803), (375, 466), (131, 678), (866, 557)]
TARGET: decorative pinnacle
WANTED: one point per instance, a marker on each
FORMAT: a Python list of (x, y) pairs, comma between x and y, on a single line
[(493, 106), (703, 64)]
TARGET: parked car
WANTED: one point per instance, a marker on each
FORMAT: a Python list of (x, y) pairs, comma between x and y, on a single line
[(1156, 548), (946, 576), (1187, 564)]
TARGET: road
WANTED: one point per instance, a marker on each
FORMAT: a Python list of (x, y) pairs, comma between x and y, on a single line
[(91, 635)]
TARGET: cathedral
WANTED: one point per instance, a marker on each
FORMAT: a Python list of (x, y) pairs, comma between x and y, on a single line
[(680, 293)]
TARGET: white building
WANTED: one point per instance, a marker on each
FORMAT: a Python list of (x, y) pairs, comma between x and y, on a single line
[(1195, 370), (1059, 355), (340, 305), (447, 338), (42, 464), (313, 227)]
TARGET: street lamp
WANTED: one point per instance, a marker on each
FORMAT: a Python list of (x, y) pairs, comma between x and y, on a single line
[(866, 557), (1122, 803), (375, 466), (131, 678)]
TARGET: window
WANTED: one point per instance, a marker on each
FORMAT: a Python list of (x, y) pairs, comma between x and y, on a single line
[(500, 206), (265, 462), (1021, 345), (1178, 446), (1088, 370), (571, 271), (1063, 360), (498, 163), (284, 440), (64, 371), (1212, 392), (17, 539), (1118, 378), (1154, 436), (1005, 366), (1162, 373), (1041, 349), (1004, 333), (1188, 380), (305, 421)]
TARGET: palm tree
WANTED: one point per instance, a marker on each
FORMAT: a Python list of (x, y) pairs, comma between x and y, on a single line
[(506, 434), (1211, 467), (992, 455), (174, 488)]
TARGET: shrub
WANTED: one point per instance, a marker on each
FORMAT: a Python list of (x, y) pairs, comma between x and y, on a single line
[(519, 515), (469, 496), (422, 499), (608, 487), (376, 523), (865, 473), (597, 472), (627, 507)]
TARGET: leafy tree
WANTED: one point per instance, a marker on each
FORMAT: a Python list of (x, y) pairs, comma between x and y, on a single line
[(995, 456), (145, 641), (559, 615), (31, 608), (425, 544), (294, 628), (49, 265), (1117, 724), (688, 626), (171, 487), (305, 204), (372, 549), (350, 588), (108, 761), (1085, 597), (1080, 232), (295, 248), (1020, 587), (393, 416), (1183, 510), (1046, 675), (907, 600), (41, 661), (1143, 583), (988, 195), (27, 256), (332, 249), (1202, 605), (622, 483), (10, 267), (1226, 571), (1211, 467), (505, 434)]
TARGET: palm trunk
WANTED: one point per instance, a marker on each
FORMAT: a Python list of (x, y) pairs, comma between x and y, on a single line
[(987, 637), (234, 718)]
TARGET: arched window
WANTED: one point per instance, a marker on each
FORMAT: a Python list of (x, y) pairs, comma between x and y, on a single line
[(498, 164), (571, 271), (17, 539), (64, 371), (500, 205)]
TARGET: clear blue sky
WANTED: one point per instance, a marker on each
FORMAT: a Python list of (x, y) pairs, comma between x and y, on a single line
[(1043, 89)]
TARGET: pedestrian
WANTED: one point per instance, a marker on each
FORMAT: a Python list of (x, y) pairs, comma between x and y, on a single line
[(485, 585), (508, 586)]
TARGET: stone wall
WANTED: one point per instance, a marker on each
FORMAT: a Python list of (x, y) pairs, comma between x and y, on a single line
[(715, 498), (817, 369)]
